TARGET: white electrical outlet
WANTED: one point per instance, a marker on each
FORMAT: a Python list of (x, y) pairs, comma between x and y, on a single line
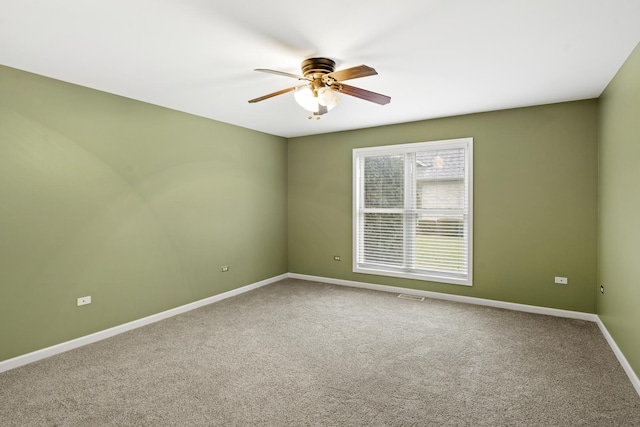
[(336, 258), (224, 268), (84, 301), (562, 280)]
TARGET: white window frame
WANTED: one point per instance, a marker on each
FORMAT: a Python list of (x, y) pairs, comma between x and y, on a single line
[(358, 200)]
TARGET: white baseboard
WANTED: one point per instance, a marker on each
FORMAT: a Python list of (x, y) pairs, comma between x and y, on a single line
[(623, 360), (491, 303), (107, 333), (456, 298)]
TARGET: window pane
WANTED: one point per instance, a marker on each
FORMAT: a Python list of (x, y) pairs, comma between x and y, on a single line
[(440, 179), (384, 181), (382, 240), (440, 244)]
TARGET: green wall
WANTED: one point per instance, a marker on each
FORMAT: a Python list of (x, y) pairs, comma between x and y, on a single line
[(619, 209), (133, 204), (139, 206), (535, 182)]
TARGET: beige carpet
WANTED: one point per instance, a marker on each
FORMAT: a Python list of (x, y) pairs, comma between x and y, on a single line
[(297, 353)]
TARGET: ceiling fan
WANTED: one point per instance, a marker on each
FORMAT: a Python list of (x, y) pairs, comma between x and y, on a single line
[(317, 94)]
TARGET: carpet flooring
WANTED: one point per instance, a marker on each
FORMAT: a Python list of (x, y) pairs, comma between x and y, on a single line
[(298, 353)]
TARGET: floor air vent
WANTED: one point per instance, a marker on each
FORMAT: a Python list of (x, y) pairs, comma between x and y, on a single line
[(411, 297)]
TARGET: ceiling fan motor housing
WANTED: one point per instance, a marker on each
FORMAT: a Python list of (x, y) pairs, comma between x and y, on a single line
[(313, 66)]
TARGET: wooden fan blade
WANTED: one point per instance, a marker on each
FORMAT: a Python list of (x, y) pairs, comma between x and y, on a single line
[(280, 73), (271, 95), (362, 94), (352, 73)]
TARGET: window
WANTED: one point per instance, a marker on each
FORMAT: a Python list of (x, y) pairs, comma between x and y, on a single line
[(412, 210)]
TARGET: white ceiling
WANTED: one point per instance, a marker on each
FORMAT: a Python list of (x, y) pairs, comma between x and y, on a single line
[(435, 58)]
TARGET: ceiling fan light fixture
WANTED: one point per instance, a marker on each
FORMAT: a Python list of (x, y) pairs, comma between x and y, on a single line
[(310, 101), (327, 98), (305, 98)]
